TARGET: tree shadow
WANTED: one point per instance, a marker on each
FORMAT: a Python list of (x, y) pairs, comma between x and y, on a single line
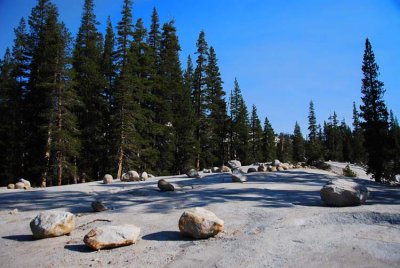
[(166, 236), (82, 248), (20, 238)]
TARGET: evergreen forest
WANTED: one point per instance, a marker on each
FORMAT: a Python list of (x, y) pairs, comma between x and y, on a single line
[(73, 108)]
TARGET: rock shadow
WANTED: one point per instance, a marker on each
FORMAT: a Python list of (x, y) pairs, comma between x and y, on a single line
[(20, 238), (166, 236), (82, 248)]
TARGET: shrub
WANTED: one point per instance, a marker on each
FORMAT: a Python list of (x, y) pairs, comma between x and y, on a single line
[(348, 172)]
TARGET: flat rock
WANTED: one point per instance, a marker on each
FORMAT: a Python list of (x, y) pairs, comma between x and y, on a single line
[(112, 236), (52, 224), (200, 223), (343, 193)]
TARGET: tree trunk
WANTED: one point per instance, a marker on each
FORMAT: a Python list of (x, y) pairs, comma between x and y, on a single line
[(59, 141), (121, 148)]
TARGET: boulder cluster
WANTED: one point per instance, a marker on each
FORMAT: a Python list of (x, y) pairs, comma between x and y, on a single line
[(197, 223)]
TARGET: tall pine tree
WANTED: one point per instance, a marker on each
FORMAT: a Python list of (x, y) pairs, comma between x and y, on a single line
[(375, 115), (256, 135), (268, 142), (298, 144), (313, 149)]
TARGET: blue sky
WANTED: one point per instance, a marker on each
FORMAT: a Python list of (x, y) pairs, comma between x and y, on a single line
[(284, 53)]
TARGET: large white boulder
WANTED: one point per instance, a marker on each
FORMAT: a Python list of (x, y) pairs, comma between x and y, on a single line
[(200, 223), (130, 176), (342, 193), (107, 179), (144, 176), (52, 224), (192, 173), (234, 164), (112, 236)]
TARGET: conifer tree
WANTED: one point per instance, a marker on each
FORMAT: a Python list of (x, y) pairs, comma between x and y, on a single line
[(358, 150), (346, 141), (217, 112), (240, 127), (313, 149), (268, 142), (333, 139), (90, 84), (298, 144), (375, 115), (394, 142), (256, 135), (199, 99)]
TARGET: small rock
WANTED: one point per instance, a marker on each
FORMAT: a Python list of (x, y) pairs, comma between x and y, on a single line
[(234, 164), (261, 168), (280, 168), (192, 173), (19, 185), (238, 176), (225, 169), (165, 186), (14, 211), (343, 193), (251, 170), (200, 223), (272, 169), (216, 170), (26, 183), (276, 163), (112, 236), (107, 179), (144, 176), (52, 224), (130, 176), (11, 186), (98, 206), (206, 170)]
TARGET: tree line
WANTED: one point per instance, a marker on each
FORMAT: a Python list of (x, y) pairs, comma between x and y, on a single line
[(73, 109)]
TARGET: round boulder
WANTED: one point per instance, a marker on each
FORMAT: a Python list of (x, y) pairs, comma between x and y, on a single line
[(276, 163), (11, 186), (225, 169), (144, 176), (130, 176), (112, 236), (19, 185), (192, 173), (251, 170), (52, 224), (200, 223), (165, 186), (107, 179), (98, 206), (261, 168), (343, 193), (216, 170)]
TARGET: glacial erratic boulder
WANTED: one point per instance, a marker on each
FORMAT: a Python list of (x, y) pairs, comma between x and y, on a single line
[(11, 186), (192, 173), (165, 186), (112, 236), (144, 176), (200, 223), (261, 168), (107, 179), (343, 193), (52, 224), (225, 169), (130, 176), (276, 163), (234, 164)]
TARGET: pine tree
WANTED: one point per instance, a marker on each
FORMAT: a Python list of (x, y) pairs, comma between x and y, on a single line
[(268, 142), (346, 141), (217, 112), (375, 115), (240, 128), (298, 144), (256, 135), (199, 99), (358, 150), (394, 142), (154, 40), (333, 139), (313, 149), (10, 118), (285, 147), (90, 84)]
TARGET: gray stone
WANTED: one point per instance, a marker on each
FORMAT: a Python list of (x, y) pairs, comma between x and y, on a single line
[(192, 173), (11, 186), (52, 224), (130, 176), (107, 179), (200, 223), (261, 168), (238, 176), (343, 193), (98, 206), (112, 236), (234, 164), (276, 163), (165, 186)]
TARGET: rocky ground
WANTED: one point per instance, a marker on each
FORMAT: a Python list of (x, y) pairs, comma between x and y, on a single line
[(272, 220)]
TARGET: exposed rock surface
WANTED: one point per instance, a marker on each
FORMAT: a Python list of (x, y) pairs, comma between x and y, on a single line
[(200, 223), (165, 186), (107, 179), (112, 236), (98, 206), (52, 224), (234, 164), (342, 193)]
